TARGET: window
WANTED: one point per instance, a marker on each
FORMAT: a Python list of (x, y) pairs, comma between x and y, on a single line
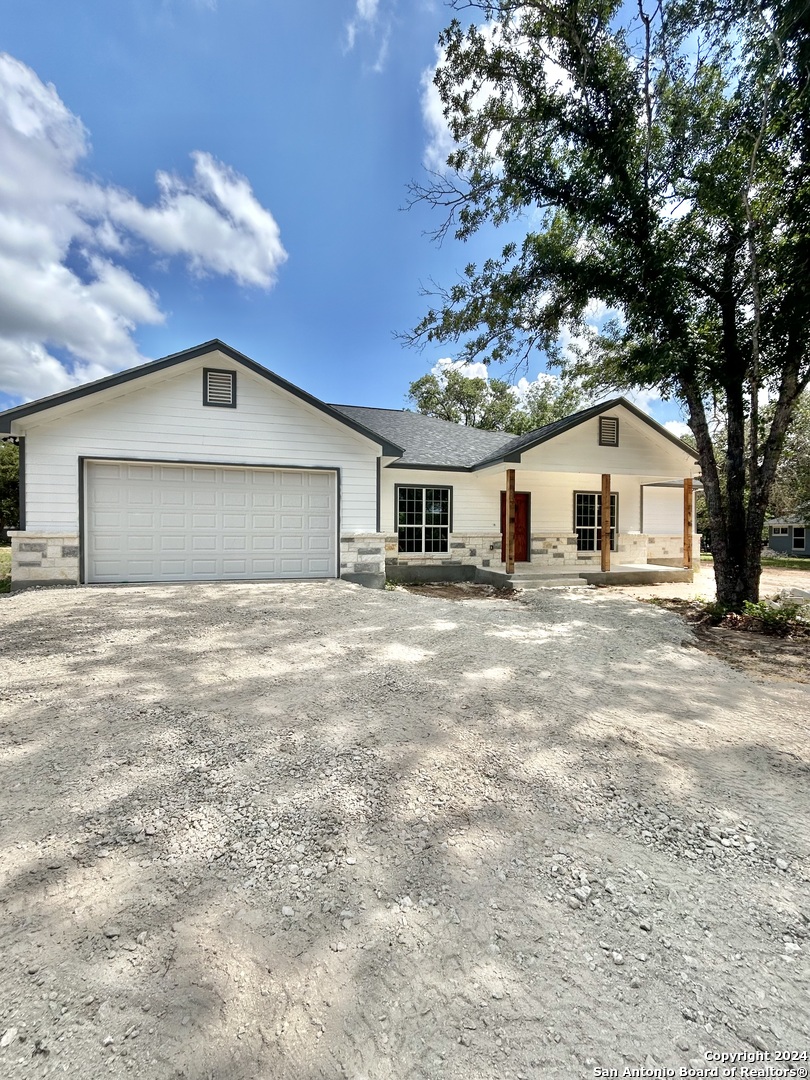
[(779, 530), (798, 537), (608, 431), (423, 518), (219, 388), (588, 520)]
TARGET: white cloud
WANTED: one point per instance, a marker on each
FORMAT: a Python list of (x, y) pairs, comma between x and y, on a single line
[(65, 287), (439, 140), (366, 14), (644, 398), (678, 428), (469, 371)]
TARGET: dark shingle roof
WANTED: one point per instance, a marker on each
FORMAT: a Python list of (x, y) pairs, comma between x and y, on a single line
[(428, 440)]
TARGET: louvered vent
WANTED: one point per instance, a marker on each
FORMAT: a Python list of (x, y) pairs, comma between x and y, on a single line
[(608, 431), (219, 388)]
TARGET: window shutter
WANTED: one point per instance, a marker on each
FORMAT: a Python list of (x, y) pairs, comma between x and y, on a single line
[(219, 388), (608, 431)]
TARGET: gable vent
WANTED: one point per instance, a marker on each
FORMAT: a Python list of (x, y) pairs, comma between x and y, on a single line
[(608, 431), (219, 388)]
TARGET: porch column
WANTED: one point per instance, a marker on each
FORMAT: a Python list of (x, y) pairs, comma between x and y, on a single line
[(605, 547), (510, 521), (687, 522)]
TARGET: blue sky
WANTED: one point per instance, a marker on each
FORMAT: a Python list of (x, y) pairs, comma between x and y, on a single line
[(179, 170)]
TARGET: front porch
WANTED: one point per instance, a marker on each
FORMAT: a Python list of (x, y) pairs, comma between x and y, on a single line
[(527, 576)]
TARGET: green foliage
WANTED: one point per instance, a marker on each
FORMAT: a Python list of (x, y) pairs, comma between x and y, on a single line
[(9, 486), (791, 489), (662, 167), (492, 403), (779, 619), (714, 611), (5, 569)]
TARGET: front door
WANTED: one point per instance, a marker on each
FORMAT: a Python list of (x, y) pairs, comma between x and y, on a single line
[(522, 530)]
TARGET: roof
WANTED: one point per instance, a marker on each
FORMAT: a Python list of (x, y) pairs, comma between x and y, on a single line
[(429, 441), (142, 370), (440, 443), (522, 443), (797, 518), (414, 440)]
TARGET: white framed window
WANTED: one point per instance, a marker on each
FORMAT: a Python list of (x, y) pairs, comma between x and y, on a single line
[(779, 530), (798, 537), (588, 520), (423, 518)]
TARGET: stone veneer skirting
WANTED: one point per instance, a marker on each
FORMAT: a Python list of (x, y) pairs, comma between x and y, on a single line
[(43, 559), (362, 558), (482, 552), (668, 550)]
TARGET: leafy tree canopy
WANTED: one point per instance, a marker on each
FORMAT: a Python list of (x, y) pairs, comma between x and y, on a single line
[(493, 404), (660, 165), (9, 486)]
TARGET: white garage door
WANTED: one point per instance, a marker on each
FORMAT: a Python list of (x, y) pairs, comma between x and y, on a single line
[(193, 522)]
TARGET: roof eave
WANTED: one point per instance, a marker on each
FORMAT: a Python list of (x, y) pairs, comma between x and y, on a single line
[(19, 412), (516, 454)]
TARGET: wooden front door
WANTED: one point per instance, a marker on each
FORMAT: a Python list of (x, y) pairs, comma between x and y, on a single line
[(522, 530)]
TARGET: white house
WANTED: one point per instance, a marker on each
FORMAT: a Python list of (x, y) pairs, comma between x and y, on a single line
[(206, 466)]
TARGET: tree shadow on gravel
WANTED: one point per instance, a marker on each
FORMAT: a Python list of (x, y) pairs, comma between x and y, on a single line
[(423, 786)]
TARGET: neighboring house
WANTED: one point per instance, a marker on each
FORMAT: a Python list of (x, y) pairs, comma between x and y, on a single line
[(790, 535), (206, 466)]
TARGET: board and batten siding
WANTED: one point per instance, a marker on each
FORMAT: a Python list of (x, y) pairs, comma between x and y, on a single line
[(163, 419)]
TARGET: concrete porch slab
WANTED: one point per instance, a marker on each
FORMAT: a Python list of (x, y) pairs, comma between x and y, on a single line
[(620, 574)]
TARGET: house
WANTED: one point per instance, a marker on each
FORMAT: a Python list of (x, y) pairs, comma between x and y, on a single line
[(790, 535), (204, 465)]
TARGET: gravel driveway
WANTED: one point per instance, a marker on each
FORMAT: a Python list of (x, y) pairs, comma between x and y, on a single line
[(311, 831)]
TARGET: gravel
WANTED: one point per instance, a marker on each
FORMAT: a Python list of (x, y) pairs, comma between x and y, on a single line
[(311, 830)]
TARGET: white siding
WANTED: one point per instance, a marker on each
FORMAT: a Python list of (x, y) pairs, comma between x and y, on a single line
[(476, 497), (663, 511), (641, 450), (163, 418)]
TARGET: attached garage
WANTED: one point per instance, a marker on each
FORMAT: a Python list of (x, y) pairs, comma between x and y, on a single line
[(153, 521)]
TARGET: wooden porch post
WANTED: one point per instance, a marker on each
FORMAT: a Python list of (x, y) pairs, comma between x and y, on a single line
[(510, 521), (687, 522), (605, 522)]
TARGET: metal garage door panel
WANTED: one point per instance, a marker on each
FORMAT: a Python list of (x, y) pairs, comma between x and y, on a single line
[(186, 523)]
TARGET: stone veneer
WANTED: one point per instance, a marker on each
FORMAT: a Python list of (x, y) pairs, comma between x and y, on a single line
[(43, 559), (467, 551), (362, 558), (668, 550), (481, 553)]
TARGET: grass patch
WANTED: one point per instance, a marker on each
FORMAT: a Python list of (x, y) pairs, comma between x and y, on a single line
[(769, 563), (5, 568), (786, 564)]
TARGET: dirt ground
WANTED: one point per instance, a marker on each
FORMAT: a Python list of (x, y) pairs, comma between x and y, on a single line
[(312, 831)]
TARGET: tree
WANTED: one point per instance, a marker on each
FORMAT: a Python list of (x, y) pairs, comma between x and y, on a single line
[(666, 166), (9, 486), (493, 404), (791, 489)]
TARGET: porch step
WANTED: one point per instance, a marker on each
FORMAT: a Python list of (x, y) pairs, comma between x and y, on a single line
[(619, 575), (547, 581)]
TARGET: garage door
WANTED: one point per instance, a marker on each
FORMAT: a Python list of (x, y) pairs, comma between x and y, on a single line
[(151, 522)]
